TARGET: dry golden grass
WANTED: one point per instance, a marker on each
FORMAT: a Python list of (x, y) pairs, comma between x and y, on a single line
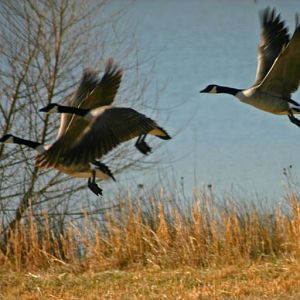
[(161, 253), (268, 280)]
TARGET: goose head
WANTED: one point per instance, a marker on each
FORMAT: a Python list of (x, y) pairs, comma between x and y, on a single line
[(50, 108), (7, 139), (211, 89)]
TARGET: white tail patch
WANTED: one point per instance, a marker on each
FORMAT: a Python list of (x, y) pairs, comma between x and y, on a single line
[(102, 175), (157, 132)]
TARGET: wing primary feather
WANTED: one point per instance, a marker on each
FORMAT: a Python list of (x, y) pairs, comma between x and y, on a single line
[(274, 37)]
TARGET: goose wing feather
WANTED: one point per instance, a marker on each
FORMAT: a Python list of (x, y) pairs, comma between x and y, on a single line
[(105, 91), (284, 76), (274, 36), (87, 84), (102, 94)]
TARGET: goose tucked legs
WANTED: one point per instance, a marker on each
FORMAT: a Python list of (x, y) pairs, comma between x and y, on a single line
[(97, 165), (93, 185), (294, 108), (141, 145), (103, 168), (293, 119)]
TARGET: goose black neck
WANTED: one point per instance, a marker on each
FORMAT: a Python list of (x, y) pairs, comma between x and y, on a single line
[(227, 90), (27, 143), (72, 110)]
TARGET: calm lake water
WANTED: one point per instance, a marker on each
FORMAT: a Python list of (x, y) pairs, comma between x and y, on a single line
[(221, 141)]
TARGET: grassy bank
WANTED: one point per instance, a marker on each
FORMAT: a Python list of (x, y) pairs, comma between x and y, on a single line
[(264, 280), (159, 251)]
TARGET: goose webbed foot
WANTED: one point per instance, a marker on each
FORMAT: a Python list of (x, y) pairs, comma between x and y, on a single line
[(93, 185), (142, 146), (294, 120), (104, 169)]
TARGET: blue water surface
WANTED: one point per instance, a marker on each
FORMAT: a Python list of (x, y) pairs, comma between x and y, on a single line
[(220, 141)]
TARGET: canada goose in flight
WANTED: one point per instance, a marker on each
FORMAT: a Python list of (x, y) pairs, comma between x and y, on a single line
[(88, 170), (101, 130), (105, 89), (278, 70)]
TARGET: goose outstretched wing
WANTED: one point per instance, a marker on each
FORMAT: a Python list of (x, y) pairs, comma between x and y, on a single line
[(284, 76), (87, 84), (274, 36), (103, 93)]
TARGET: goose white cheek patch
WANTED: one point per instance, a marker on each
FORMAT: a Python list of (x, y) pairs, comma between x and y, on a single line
[(10, 140), (213, 90)]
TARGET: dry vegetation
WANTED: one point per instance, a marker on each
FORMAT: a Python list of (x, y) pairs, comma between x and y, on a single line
[(155, 252), (147, 247)]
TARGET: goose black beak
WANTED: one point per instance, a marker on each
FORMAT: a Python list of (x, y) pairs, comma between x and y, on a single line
[(43, 109), (206, 90)]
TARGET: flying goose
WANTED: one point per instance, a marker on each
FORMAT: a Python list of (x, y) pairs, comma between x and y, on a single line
[(100, 130), (105, 89), (278, 70), (88, 170)]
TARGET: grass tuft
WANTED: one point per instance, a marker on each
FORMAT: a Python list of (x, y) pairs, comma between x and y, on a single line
[(206, 245)]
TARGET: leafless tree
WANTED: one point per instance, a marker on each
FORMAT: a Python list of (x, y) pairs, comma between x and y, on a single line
[(45, 45)]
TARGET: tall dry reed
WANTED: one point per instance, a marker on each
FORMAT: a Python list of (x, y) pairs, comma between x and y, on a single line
[(163, 236)]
